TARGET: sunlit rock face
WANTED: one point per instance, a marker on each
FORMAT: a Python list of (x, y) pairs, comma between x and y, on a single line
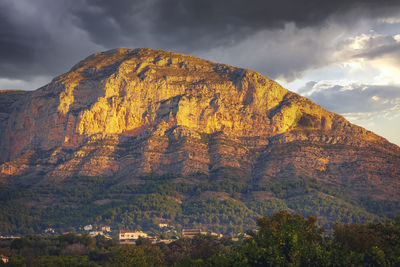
[(131, 112)]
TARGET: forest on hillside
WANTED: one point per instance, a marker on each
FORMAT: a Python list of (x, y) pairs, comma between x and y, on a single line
[(228, 207)]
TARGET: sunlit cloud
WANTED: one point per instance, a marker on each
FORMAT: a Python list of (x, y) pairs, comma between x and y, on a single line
[(361, 78)]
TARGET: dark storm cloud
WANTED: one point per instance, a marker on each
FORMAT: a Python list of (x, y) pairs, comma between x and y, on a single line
[(16, 51), (280, 53), (191, 24), (38, 38), (354, 98), (46, 37)]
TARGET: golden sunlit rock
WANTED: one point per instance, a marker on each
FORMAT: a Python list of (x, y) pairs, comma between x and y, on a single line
[(130, 112)]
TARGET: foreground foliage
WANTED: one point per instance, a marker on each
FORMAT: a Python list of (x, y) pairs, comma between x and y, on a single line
[(283, 239)]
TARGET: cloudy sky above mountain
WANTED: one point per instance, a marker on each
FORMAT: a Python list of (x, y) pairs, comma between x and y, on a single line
[(344, 55)]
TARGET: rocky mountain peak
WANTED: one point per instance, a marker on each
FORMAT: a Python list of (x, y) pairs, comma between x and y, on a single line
[(128, 112)]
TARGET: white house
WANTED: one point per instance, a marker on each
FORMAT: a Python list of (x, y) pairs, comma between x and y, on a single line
[(88, 227), (106, 228), (127, 236), (162, 225), (50, 231), (95, 233)]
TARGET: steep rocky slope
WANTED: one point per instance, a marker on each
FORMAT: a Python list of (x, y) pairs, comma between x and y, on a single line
[(128, 113)]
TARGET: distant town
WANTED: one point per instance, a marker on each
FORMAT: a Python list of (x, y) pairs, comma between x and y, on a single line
[(131, 236)]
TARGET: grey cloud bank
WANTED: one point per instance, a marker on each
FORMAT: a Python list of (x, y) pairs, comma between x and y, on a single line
[(46, 37)]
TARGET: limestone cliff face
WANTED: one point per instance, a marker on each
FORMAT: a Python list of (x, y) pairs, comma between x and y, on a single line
[(128, 112)]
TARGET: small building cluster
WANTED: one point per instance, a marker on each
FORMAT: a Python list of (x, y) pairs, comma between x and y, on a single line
[(102, 231), (88, 227), (190, 233), (106, 228), (50, 231), (130, 236)]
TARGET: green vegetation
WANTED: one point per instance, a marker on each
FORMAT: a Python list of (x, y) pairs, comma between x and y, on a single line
[(226, 206), (283, 239)]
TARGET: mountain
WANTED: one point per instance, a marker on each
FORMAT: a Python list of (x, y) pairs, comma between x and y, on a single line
[(126, 118)]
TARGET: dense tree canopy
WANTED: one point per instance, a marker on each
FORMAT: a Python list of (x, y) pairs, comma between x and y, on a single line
[(226, 207)]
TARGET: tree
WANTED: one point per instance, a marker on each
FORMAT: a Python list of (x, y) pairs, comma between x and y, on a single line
[(283, 239), (371, 244), (146, 255)]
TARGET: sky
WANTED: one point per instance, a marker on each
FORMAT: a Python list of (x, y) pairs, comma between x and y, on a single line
[(344, 55)]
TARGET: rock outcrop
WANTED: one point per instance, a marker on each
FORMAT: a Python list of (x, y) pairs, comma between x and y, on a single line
[(131, 112)]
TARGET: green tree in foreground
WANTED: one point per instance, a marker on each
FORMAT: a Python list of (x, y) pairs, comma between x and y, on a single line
[(282, 239), (144, 255), (372, 244)]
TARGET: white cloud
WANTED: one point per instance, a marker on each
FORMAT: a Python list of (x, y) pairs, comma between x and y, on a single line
[(31, 84), (373, 57), (374, 107), (390, 20), (386, 124)]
